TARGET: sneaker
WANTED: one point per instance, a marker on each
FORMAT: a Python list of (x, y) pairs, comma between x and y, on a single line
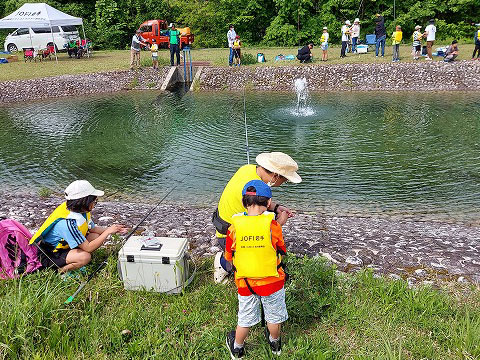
[(429, 59), (275, 346), (219, 275), (235, 353)]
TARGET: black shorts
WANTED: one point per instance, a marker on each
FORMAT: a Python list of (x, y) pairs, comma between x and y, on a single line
[(50, 259), (417, 47)]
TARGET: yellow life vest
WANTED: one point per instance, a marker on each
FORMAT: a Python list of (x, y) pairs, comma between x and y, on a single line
[(478, 34), (254, 257), (61, 212), (231, 200), (398, 36), (323, 38), (236, 44)]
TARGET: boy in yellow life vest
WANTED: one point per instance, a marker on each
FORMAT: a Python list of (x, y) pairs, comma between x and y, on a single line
[(396, 40), (237, 45), (154, 50), (68, 237), (255, 246), (324, 43)]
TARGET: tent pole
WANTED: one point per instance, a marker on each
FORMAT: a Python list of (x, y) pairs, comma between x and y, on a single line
[(54, 46), (86, 46)]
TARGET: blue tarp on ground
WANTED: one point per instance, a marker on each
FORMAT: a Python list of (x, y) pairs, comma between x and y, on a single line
[(3, 61)]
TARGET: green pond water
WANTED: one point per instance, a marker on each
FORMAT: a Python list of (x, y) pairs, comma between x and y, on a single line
[(409, 154)]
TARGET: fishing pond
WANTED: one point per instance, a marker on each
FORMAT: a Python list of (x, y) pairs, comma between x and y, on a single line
[(407, 154)]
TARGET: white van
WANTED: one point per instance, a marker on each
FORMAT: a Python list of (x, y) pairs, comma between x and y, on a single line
[(40, 37)]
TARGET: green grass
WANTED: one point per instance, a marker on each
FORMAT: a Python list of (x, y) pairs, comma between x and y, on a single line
[(120, 60), (351, 317)]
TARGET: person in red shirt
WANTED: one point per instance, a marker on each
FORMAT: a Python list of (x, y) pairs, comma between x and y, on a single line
[(254, 246)]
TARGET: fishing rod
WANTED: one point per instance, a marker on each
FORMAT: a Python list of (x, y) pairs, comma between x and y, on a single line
[(246, 129), (104, 263)]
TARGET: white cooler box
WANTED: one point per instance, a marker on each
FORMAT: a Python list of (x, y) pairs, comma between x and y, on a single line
[(362, 49), (153, 263)]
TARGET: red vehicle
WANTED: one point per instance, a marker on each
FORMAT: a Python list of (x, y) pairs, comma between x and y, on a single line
[(158, 30)]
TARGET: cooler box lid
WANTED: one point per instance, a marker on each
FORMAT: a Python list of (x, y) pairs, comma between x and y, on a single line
[(153, 249)]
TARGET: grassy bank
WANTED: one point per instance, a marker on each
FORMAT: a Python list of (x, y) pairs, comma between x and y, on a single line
[(120, 60), (353, 317)]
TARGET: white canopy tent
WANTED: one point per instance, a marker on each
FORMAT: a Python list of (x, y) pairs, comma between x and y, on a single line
[(39, 15)]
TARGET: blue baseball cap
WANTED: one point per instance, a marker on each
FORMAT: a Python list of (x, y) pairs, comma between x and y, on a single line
[(261, 189)]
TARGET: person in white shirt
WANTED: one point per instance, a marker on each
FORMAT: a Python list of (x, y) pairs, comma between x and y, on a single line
[(231, 35), (430, 31), (355, 34), (137, 42), (345, 34)]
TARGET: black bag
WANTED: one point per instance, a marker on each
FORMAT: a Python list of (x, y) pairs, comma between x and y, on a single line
[(220, 224)]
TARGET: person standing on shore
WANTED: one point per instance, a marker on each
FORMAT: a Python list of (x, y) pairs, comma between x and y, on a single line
[(324, 44), (231, 35), (137, 42), (345, 38), (430, 32), (273, 169), (417, 43), (237, 46), (380, 34), (154, 50), (477, 43), (355, 34), (396, 40), (174, 40)]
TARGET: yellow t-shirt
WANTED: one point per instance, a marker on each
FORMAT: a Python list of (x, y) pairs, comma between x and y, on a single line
[(231, 200), (397, 37)]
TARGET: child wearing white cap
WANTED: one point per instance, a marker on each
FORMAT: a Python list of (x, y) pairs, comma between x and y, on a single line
[(345, 38), (324, 43), (68, 237), (417, 42)]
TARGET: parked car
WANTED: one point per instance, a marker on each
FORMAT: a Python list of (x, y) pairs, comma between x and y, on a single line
[(158, 30), (40, 37)]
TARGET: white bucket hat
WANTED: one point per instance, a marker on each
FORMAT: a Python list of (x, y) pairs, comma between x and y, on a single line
[(80, 189), (356, 20), (418, 27), (348, 22), (325, 28), (281, 164)]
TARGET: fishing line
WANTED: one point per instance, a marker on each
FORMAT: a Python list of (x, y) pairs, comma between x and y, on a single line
[(104, 263), (246, 128)]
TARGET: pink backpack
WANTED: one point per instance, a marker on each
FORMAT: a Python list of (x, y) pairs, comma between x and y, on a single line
[(17, 257)]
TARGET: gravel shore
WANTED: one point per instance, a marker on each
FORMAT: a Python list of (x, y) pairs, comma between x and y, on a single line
[(408, 76), (418, 251)]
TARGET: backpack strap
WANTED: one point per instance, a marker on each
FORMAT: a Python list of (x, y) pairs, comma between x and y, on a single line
[(261, 305)]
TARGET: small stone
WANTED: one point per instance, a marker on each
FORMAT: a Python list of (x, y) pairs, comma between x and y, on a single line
[(126, 332), (462, 279), (105, 218), (395, 277), (354, 260)]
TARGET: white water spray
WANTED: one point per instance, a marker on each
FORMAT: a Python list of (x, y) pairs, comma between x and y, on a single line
[(301, 89)]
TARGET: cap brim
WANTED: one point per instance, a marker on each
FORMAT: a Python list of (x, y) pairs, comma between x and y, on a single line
[(97, 193), (294, 178)]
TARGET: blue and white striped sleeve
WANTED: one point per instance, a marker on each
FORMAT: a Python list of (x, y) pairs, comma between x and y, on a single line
[(69, 231)]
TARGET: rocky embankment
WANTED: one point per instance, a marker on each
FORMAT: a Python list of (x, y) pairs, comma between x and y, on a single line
[(81, 84), (418, 251), (408, 76)]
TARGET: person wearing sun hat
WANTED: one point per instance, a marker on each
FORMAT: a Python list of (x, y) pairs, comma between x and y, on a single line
[(68, 236), (274, 169), (355, 34)]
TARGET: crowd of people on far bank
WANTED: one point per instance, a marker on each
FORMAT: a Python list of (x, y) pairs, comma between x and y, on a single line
[(351, 33)]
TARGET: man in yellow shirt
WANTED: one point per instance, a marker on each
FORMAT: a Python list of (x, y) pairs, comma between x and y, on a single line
[(274, 169)]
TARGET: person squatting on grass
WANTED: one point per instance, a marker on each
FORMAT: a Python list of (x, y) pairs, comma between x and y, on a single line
[(324, 44), (477, 44), (255, 247), (396, 40), (273, 169), (68, 237), (417, 43), (452, 52), (305, 53)]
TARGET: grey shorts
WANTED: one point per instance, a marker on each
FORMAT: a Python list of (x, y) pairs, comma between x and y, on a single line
[(249, 313)]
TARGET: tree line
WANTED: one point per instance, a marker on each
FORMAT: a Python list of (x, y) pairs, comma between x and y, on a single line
[(111, 23)]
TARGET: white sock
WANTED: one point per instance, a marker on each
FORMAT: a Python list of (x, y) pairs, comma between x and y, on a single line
[(237, 346), (271, 338)]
